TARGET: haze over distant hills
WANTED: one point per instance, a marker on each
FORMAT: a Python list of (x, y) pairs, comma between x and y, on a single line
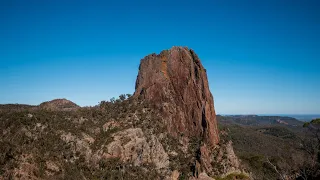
[(303, 117), (300, 117)]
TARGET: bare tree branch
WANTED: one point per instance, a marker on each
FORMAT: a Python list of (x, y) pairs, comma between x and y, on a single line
[(275, 168)]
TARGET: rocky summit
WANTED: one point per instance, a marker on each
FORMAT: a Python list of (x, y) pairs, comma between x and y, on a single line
[(166, 130), (176, 83)]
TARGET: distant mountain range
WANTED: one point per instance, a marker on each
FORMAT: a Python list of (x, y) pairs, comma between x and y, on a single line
[(256, 120), (300, 117), (303, 117)]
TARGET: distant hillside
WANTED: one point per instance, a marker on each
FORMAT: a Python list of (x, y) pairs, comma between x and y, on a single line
[(304, 117), (59, 104), (56, 104), (255, 120), (255, 145), (15, 107), (261, 140)]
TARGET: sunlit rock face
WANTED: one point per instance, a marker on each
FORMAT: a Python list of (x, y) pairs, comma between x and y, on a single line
[(176, 83)]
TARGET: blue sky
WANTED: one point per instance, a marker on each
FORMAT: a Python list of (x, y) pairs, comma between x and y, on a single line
[(262, 57)]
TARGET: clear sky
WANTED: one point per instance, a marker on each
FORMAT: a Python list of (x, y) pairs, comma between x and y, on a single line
[(262, 57)]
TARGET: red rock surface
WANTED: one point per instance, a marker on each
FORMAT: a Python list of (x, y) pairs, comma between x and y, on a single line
[(176, 82)]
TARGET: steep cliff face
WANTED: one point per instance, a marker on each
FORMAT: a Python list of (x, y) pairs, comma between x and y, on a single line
[(176, 83)]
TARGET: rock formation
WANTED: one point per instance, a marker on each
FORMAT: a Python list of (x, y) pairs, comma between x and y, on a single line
[(176, 83), (132, 146), (167, 130)]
